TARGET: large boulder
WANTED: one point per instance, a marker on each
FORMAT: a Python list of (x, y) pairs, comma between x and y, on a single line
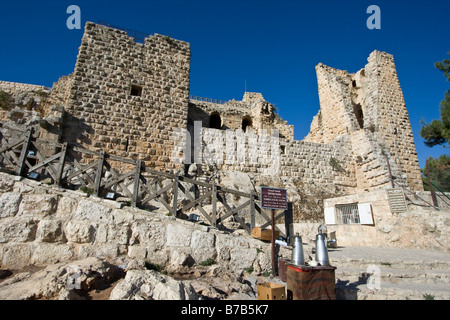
[(239, 181), (151, 285), (66, 281)]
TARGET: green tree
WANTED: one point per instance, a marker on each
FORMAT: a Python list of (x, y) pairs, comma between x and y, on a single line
[(439, 170), (437, 132)]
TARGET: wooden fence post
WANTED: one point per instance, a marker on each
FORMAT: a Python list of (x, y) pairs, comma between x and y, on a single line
[(60, 168), (136, 183), (252, 210), (288, 224), (24, 152), (433, 195), (214, 204), (175, 197), (99, 173)]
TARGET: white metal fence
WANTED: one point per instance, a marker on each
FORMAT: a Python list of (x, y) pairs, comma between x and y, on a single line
[(347, 213)]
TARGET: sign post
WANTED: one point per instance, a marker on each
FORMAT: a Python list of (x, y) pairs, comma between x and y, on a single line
[(274, 199)]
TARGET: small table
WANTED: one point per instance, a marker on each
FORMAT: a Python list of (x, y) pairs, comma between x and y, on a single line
[(310, 283)]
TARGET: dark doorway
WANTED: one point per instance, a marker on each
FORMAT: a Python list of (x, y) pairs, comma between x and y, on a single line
[(246, 123), (215, 122), (136, 91), (359, 115)]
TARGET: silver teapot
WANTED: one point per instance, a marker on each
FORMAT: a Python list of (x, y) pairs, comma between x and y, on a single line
[(321, 250), (297, 252)]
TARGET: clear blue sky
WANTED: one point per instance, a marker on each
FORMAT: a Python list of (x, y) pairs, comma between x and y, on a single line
[(274, 46)]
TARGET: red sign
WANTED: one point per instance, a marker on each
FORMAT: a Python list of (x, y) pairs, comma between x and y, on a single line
[(273, 198)]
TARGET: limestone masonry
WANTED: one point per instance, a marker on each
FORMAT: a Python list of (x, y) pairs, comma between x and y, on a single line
[(187, 157), (132, 99)]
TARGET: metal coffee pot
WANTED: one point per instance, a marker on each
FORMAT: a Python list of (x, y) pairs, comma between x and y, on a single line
[(321, 250), (297, 252)]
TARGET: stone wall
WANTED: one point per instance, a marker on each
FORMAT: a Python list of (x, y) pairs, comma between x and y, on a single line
[(32, 106), (304, 168), (266, 155), (15, 88), (311, 162), (391, 121), (126, 97), (251, 153), (25, 99), (354, 128), (369, 106), (252, 114), (41, 225), (60, 91), (420, 227)]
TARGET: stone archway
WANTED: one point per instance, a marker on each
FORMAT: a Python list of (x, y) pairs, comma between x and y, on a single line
[(246, 123), (215, 121)]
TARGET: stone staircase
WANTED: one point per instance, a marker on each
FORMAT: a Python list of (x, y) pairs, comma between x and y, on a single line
[(390, 277)]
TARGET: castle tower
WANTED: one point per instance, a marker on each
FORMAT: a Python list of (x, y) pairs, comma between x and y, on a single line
[(369, 107), (127, 97)]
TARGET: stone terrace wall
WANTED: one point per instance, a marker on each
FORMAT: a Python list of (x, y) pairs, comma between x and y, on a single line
[(126, 97), (41, 225)]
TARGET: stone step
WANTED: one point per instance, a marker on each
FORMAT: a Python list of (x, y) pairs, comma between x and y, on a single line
[(389, 258), (393, 264), (347, 290), (394, 275), (404, 273)]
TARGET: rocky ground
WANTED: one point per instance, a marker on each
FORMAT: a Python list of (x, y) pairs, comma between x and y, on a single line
[(97, 279), (362, 273)]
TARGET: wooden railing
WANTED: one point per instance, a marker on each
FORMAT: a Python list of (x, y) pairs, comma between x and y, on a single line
[(63, 165), (217, 101)]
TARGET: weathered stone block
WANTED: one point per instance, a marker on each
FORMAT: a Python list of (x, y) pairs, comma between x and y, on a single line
[(38, 204), (93, 211), (47, 253), (79, 231), (9, 204), (180, 258), (17, 230), (15, 255), (50, 231), (137, 252), (6, 184), (242, 258), (202, 239), (119, 234), (66, 208), (178, 236)]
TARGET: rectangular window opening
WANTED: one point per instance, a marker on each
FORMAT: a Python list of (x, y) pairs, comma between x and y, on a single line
[(348, 214), (136, 90)]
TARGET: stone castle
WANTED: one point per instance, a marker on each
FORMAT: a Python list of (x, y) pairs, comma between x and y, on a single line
[(132, 99)]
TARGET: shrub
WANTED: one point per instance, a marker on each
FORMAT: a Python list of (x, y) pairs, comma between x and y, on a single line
[(208, 262)]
